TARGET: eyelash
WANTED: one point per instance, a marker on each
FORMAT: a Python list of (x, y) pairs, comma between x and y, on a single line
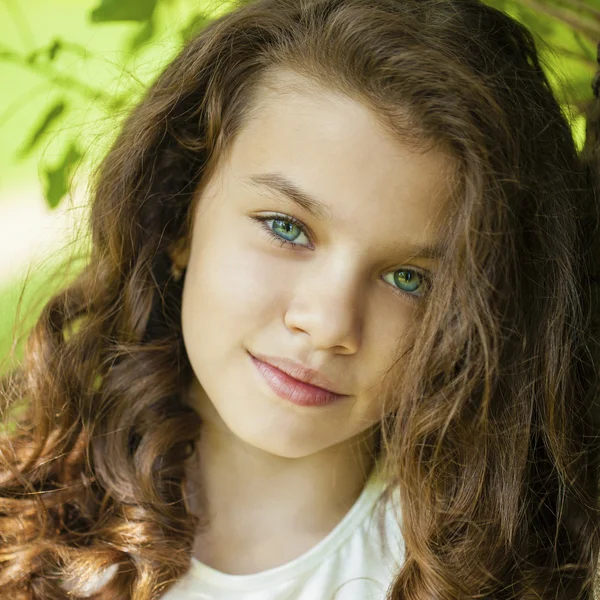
[(262, 219)]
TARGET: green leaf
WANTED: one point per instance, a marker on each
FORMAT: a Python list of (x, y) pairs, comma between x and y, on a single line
[(123, 10), (57, 178), (193, 26), (42, 127), (7, 54), (141, 36), (32, 56), (50, 52), (54, 48)]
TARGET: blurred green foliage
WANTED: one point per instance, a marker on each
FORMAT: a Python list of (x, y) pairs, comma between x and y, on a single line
[(70, 74), (64, 65), (567, 34), (567, 30), (124, 10)]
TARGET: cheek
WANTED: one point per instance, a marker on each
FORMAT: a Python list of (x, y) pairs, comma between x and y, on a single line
[(231, 290)]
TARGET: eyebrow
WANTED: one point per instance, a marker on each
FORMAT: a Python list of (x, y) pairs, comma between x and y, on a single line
[(282, 186)]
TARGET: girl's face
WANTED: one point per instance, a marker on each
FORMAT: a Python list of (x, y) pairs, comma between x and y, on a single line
[(336, 297)]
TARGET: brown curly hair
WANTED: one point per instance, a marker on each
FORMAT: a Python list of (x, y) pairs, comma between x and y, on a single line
[(494, 442)]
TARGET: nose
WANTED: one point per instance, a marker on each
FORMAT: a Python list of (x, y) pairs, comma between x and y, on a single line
[(327, 304)]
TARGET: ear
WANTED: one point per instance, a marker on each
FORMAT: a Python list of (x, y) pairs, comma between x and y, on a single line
[(179, 253)]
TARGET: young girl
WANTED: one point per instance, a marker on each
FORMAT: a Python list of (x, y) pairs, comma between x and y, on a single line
[(334, 338)]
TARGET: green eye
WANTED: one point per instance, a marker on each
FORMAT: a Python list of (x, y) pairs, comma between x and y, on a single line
[(286, 229), (410, 282), (283, 227), (407, 278)]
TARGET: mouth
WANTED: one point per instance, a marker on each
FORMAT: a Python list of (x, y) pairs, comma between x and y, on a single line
[(294, 390), (303, 374)]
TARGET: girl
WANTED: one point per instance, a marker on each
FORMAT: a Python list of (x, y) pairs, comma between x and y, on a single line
[(334, 338)]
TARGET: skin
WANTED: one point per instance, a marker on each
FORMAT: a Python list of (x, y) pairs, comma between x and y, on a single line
[(277, 477)]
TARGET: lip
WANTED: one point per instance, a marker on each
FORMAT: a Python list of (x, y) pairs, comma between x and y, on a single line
[(292, 389), (297, 371)]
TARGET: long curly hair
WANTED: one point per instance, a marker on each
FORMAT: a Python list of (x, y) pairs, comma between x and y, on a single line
[(493, 440)]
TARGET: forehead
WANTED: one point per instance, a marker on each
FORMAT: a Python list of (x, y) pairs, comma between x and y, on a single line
[(335, 149)]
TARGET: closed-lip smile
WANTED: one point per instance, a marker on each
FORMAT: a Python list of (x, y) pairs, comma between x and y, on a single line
[(299, 372)]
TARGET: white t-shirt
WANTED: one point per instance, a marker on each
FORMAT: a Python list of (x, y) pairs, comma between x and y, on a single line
[(356, 560)]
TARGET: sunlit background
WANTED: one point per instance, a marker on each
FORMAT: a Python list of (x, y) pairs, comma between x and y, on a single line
[(71, 69)]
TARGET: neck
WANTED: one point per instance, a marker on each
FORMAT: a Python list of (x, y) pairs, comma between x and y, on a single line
[(250, 496)]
